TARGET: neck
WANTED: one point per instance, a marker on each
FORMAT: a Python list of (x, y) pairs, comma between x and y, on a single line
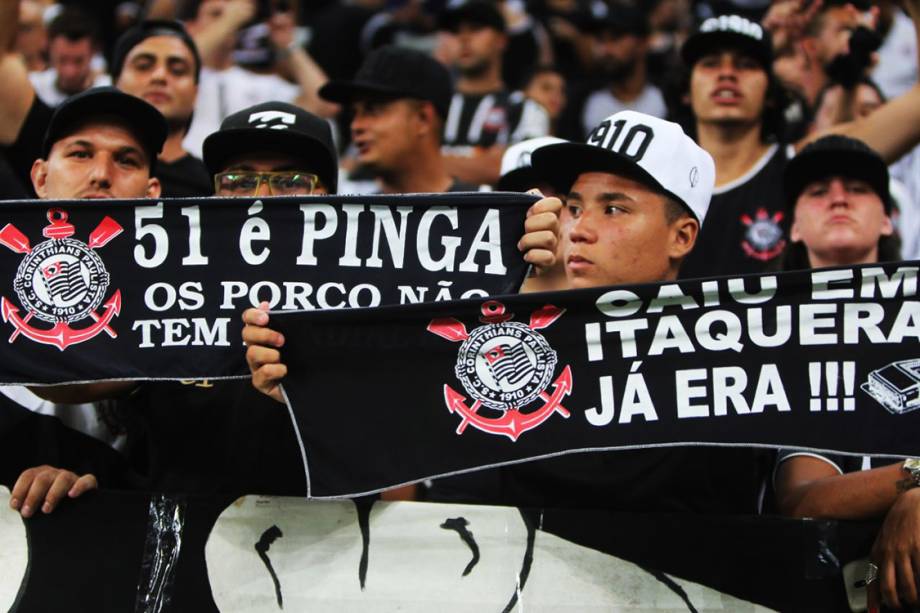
[(172, 148), (489, 81), (423, 171), (630, 87), (735, 148)]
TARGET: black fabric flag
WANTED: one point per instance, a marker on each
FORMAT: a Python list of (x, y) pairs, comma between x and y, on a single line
[(145, 290), (824, 360)]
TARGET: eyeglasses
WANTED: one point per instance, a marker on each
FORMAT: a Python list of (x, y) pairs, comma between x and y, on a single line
[(242, 183)]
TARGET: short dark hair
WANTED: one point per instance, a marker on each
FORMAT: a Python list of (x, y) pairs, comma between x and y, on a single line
[(73, 24), (674, 210)]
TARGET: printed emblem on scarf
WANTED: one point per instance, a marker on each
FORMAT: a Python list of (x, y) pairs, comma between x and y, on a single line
[(61, 280), (504, 366)]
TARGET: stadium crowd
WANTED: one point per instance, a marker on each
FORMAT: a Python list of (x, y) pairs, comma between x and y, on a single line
[(798, 122)]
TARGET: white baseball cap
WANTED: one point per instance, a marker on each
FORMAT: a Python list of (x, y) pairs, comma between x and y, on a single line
[(517, 173), (646, 149)]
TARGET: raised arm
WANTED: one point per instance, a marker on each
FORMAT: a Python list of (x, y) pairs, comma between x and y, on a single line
[(894, 128), (17, 93)]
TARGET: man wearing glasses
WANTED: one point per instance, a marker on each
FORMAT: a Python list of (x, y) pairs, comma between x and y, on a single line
[(272, 149)]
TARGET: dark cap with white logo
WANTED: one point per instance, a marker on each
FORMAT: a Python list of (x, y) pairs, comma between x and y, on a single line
[(275, 128), (729, 32)]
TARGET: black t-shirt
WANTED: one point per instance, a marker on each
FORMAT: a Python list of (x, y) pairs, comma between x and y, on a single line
[(28, 145), (209, 437), (187, 177), (747, 225), (679, 479)]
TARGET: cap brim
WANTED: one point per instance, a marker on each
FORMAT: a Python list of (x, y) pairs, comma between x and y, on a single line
[(221, 147), (344, 92), (702, 43), (143, 120), (808, 167)]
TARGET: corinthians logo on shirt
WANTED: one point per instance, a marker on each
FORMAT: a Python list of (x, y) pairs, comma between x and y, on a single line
[(60, 281), (505, 366)]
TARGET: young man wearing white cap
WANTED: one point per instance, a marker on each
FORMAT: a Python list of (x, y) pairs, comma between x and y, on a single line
[(637, 192)]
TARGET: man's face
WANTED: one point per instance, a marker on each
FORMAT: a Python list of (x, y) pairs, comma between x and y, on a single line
[(384, 131), (161, 70), (71, 60), (548, 89), (101, 159), (833, 36), (615, 231), (478, 48), (728, 87), (266, 162), (617, 54), (840, 220)]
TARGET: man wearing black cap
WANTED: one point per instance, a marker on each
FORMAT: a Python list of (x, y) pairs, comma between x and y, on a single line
[(837, 193), (736, 111), (484, 117), (156, 61), (272, 149), (400, 100), (101, 143)]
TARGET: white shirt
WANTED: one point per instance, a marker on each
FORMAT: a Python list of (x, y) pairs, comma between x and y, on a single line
[(602, 104), (223, 92), (896, 70), (45, 84), (907, 171)]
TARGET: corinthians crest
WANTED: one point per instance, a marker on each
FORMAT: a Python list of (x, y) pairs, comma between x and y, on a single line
[(505, 366), (61, 280)]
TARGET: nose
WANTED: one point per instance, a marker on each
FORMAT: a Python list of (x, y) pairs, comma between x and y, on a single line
[(837, 193), (582, 229), (263, 189), (101, 171), (159, 72), (727, 67)]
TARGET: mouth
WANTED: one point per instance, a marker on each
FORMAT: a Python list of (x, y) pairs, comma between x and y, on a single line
[(363, 146), (157, 97), (577, 262), (726, 95), (96, 196)]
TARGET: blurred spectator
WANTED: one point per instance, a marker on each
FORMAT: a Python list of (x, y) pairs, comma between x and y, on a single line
[(72, 43), (670, 22), (399, 99), (896, 69), (802, 62), (620, 49), (546, 86), (227, 87), (484, 117), (31, 36)]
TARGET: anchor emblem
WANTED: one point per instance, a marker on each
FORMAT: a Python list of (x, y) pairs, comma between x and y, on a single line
[(59, 281), (504, 366)]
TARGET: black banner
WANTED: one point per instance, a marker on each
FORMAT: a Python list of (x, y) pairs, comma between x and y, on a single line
[(154, 289), (825, 360)]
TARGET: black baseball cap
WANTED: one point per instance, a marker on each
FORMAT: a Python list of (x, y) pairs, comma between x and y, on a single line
[(396, 72), (478, 12), (141, 118), (732, 32), (275, 127), (836, 155), (148, 29), (620, 20)]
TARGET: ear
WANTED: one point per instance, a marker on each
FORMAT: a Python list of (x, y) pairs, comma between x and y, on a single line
[(794, 235), (39, 174), (153, 188), (428, 117), (887, 228), (683, 233)]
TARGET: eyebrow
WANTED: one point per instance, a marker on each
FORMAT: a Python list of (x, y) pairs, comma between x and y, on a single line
[(605, 197)]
